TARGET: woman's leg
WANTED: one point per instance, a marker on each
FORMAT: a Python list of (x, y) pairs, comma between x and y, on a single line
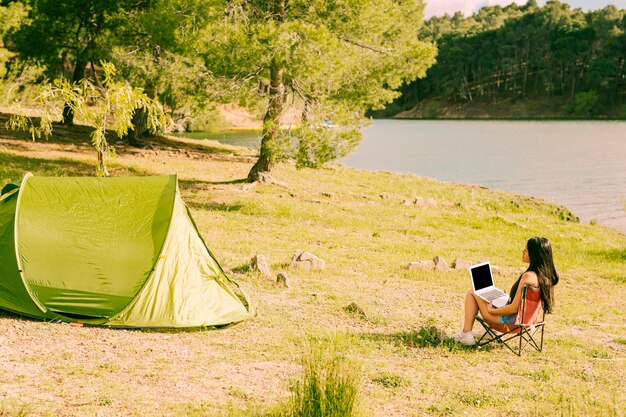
[(474, 304)]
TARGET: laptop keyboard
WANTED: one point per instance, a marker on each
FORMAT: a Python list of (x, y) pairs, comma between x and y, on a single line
[(491, 294)]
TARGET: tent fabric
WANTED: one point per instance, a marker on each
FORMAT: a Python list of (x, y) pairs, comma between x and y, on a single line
[(110, 251)]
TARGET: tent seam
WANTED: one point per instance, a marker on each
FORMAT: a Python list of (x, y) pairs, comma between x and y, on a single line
[(20, 267)]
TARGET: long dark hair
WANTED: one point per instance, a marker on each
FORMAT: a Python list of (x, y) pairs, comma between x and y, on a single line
[(542, 264)]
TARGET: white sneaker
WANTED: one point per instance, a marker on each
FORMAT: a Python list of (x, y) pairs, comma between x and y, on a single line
[(479, 333), (465, 338)]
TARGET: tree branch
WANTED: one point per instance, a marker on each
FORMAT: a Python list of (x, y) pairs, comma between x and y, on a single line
[(360, 44)]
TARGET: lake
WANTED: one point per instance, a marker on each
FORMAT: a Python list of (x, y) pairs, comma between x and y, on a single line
[(578, 164), (581, 165)]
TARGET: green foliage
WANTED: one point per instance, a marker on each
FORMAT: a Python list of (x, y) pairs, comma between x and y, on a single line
[(476, 399), (153, 47), (333, 59), (97, 106), (318, 145), (328, 386), (520, 54), (22, 84), (12, 17), (426, 336), (585, 104), (388, 380)]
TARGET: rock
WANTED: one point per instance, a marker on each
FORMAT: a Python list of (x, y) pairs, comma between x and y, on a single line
[(431, 202), (259, 263), (330, 195), (384, 196), (419, 201), (306, 260), (421, 265), (283, 279), (440, 264), (407, 203), (355, 308), (496, 270), (461, 264)]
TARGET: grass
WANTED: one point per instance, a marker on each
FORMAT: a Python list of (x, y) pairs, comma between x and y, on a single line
[(404, 362), (328, 386)]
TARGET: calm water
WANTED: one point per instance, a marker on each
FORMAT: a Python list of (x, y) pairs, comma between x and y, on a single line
[(581, 165)]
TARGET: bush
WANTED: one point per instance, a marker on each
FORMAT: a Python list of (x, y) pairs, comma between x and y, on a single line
[(585, 104), (328, 386)]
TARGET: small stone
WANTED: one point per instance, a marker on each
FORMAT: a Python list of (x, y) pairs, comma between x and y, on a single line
[(421, 265), (330, 195), (283, 279), (308, 261), (431, 202), (440, 264), (259, 263), (407, 203), (496, 270), (419, 201), (461, 264), (355, 308)]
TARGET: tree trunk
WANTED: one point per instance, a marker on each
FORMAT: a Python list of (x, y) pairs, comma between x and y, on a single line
[(271, 124), (139, 129), (271, 121), (79, 73), (139, 120)]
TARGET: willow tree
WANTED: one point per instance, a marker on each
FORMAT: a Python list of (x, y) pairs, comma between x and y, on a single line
[(331, 60)]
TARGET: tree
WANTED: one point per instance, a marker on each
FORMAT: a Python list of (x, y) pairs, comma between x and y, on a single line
[(153, 48), (111, 104), (66, 36), (12, 17), (332, 60)]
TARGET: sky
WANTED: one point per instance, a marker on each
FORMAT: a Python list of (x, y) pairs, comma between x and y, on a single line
[(467, 7)]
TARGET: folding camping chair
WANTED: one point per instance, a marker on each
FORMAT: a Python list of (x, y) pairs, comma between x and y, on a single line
[(521, 334)]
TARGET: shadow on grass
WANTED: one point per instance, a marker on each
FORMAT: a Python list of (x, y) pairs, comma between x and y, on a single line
[(81, 134), (10, 315), (214, 206), (186, 144), (198, 185), (424, 337), (14, 167)]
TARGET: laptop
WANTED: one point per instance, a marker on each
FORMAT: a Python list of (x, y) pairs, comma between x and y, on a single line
[(483, 286)]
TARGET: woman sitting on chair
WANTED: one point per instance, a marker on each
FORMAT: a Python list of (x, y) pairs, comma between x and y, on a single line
[(540, 273)]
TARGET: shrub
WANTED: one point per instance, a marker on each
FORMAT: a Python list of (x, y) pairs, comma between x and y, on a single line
[(585, 104), (328, 386)]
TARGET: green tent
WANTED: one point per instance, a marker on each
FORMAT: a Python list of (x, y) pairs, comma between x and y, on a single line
[(110, 251)]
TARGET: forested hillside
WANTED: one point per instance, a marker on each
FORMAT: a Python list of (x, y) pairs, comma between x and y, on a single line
[(522, 61)]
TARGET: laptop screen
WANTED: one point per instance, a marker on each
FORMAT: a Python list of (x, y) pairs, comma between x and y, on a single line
[(481, 275)]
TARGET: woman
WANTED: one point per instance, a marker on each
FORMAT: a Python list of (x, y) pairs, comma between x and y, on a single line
[(540, 273)]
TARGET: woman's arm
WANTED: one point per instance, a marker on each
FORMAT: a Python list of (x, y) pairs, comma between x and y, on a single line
[(528, 278)]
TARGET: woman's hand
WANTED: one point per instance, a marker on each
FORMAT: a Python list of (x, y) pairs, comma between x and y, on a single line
[(491, 309)]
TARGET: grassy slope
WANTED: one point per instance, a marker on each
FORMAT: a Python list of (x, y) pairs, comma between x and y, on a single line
[(367, 241)]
